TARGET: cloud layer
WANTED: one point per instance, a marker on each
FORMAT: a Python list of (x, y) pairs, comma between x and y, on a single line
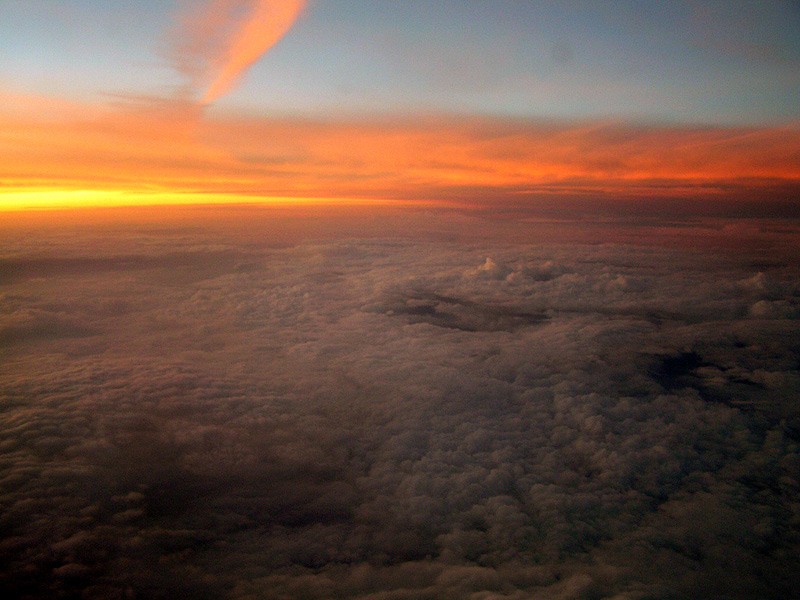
[(205, 410)]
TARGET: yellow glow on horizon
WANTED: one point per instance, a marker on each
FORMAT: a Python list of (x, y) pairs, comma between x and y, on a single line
[(37, 199)]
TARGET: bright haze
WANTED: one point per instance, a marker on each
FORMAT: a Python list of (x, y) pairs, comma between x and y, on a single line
[(399, 300)]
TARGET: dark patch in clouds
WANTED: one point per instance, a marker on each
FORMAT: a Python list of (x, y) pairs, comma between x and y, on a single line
[(202, 415), (15, 269), (41, 325), (464, 315)]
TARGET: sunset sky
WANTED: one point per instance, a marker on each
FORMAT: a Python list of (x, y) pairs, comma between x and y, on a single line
[(500, 102), (399, 299)]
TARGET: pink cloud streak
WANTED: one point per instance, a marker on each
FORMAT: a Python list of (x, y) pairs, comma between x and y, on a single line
[(217, 44)]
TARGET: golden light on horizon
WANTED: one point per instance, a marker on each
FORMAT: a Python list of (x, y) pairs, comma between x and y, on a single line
[(55, 199)]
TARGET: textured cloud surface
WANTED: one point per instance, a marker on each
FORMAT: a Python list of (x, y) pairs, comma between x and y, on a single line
[(217, 411)]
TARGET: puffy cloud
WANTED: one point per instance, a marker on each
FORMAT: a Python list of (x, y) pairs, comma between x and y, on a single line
[(397, 417)]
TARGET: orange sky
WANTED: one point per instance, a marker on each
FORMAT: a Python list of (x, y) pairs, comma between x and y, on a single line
[(141, 146)]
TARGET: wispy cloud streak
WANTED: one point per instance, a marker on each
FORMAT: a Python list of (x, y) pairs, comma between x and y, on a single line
[(218, 43)]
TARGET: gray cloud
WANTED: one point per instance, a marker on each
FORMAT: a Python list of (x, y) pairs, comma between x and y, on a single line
[(404, 417)]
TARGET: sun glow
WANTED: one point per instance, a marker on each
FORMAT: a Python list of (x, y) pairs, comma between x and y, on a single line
[(54, 199)]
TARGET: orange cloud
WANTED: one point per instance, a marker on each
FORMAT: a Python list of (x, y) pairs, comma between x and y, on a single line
[(168, 148), (217, 44)]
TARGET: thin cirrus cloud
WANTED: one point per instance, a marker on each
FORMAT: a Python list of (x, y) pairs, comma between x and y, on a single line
[(217, 44)]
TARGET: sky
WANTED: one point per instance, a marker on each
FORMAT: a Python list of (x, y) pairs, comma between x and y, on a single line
[(474, 102)]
